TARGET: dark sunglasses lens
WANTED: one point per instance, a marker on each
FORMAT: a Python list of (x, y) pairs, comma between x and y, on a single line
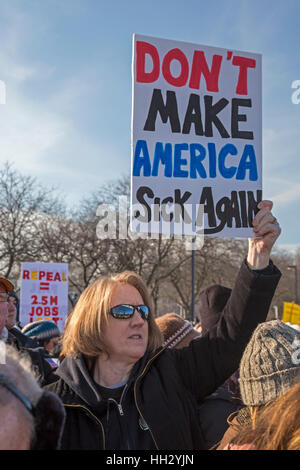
[(144, 310), (122, 311)]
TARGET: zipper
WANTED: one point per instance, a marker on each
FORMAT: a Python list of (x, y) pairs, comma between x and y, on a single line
[(135, 398), (95, 418), (119, 405)]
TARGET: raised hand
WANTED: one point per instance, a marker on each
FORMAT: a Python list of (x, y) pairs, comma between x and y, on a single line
[(266, 230)]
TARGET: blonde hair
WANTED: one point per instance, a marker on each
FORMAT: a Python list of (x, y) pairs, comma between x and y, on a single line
[(278, 425), (86, 324)]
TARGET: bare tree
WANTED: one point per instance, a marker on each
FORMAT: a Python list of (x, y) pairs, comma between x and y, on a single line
[(22, 202)]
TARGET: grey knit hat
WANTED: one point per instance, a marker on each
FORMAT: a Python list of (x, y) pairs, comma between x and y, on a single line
[(270, 363)]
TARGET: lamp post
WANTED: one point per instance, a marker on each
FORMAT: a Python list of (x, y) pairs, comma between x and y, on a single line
[(294, 268), (193, 286)]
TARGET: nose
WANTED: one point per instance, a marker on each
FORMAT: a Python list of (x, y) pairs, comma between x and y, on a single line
[(137, 319)]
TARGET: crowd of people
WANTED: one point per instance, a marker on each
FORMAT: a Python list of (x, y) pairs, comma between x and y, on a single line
[(120, 378)]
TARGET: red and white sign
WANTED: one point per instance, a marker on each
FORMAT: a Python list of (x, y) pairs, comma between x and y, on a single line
[(44, 293)]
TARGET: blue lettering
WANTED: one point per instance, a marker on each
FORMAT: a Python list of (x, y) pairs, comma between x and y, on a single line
[(141, 159), (212, 160), (196, 160), (226, 150), (246, 164), (178, 161), (163, 155)]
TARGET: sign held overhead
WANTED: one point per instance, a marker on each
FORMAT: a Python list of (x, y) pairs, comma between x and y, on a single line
[(196, 137)]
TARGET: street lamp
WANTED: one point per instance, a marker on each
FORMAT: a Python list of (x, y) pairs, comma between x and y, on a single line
[(293, 267)]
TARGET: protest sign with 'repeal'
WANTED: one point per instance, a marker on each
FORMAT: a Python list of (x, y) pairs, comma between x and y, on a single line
[(196, 138), (44, 293)]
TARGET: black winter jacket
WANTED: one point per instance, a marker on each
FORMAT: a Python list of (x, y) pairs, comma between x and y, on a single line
[(169, 383), (38, 356)]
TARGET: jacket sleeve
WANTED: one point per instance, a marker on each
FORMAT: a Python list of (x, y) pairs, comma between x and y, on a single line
[(208, 361)]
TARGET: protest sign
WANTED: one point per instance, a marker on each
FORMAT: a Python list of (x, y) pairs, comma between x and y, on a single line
[(44, 293), (196, 137), (291, 313)]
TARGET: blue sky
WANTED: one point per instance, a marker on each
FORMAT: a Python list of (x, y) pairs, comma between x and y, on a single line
[(67, 69)]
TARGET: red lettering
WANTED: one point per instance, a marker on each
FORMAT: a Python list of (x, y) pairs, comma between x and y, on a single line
[(199, 67), (32, 311), (55, 311), (39, 311), (47, 311), (143, 48), (57, 277), (49, 276), (55, 320), (175, 54), (53, 300), (26, 274), (243, 63), (42, 274)]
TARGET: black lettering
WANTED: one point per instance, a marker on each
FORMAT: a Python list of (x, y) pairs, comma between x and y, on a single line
[(166, 111), (193, 116), (234, 211), (211, 112), (180, 200), (252, 205), (243, 206), (141, 192), (236, 118), (221, 214), (166, 217), (209, 208)]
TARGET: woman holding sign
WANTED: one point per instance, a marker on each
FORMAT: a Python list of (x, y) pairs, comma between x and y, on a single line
[(122, 390)]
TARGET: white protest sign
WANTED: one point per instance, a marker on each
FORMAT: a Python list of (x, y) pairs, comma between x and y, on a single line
[(196, 137), (44, 293)]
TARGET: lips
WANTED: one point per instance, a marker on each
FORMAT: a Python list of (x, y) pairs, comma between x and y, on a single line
[(136, 337)]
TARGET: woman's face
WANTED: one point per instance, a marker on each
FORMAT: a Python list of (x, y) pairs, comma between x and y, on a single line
[(126, 340)]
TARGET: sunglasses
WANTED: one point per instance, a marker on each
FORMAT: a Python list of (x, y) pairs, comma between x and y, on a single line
[(127, 311), (48, 414)]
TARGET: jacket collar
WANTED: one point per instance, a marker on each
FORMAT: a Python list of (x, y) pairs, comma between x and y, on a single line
[(74, 372)]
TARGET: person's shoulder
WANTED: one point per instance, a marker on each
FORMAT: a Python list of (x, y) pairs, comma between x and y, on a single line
[(59, 387)]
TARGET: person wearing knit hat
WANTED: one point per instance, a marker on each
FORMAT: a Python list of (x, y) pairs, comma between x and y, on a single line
[(215, 409), (176, 331), (268, 368), (45, 331)]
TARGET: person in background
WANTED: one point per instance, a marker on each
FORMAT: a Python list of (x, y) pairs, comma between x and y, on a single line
[(46, 332), (40, 359), (121, 389), (14, 331), (268, 368), (276, 428), (14, 299), (30, 417), (178, 333), (12, 314)]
